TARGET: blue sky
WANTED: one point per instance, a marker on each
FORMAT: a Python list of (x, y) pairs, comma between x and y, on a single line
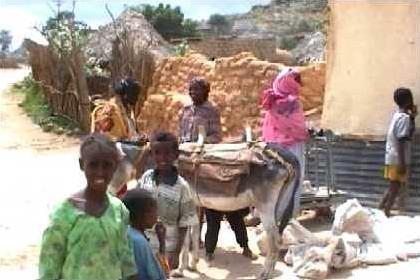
[(19, 16)]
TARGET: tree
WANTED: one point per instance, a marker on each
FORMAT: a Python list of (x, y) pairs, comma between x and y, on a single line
[(168, 21), (219, 23), (190, 28), (280, 2), (64, 32), (66, 37), (5, 40)]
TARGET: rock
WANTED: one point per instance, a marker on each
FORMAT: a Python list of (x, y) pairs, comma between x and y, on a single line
[(311, 48)]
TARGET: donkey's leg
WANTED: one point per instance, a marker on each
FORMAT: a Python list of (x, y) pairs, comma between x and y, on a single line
[(195, 240), (183, 257), (268, 221)]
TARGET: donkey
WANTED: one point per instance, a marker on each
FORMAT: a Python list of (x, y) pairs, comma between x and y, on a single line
[(270, 188)]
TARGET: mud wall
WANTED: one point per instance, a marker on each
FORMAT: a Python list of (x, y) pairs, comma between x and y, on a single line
[(264, 49), (373, 48), (236, 85)]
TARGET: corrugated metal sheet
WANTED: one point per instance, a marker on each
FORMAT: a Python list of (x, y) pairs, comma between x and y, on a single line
[(357, 168)]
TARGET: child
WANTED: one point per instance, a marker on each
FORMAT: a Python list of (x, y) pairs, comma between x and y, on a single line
[(143, 215), (397, 154), (87, 236), (176, 209)]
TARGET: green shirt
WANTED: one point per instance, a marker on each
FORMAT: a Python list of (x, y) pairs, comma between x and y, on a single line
[(78, 246)]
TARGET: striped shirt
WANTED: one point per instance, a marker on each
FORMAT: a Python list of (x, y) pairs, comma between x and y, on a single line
[(176, 208)]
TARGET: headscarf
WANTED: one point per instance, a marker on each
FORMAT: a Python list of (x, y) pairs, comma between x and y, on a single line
[(284, 121), (283, 92)]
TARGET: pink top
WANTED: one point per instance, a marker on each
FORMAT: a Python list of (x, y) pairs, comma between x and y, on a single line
[(284, 120)]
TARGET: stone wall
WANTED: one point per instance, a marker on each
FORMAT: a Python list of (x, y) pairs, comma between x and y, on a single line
[(236, 85), (264, 49)]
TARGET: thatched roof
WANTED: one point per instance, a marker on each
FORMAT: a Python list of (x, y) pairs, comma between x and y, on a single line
[(139, 29)]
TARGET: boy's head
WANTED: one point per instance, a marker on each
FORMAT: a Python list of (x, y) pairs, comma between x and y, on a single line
[(99, 158), (164, 150), (128, 89), (403, 98), (142, 207), (199, 90)]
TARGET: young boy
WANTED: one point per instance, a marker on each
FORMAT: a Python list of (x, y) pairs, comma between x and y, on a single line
[(143, 215), (176, 209), (397, 153)]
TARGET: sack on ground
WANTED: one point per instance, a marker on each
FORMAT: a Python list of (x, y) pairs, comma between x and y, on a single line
[(346, 254), (376, 253), (351, 217), (295, 233)]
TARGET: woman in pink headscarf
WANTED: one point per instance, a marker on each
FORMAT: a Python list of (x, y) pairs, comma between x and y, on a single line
[(284, 121)]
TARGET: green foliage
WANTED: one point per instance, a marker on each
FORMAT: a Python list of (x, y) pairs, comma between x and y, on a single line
[(281, 2), (303, 25), (219, 23), (36, 107), (5, 40), (217, 20), (190, 28), (64, 32), (314, 5), (310, 24), (182, 48), (288, 43), (168, 21), (92, 67)]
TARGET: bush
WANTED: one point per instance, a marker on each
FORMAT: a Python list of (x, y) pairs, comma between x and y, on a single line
[(168, 21), (288, 43), (182, 49), (36, 107)]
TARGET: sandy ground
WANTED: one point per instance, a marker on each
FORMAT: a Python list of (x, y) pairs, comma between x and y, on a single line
[(39, 169)]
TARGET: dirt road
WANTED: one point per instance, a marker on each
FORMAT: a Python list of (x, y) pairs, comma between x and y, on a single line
[(38, 169)]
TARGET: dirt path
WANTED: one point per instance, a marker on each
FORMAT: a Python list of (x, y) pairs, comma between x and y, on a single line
[(17, 130), (38, 169)]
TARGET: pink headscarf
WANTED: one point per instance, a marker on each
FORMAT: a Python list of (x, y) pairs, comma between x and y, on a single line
[(284, 120)]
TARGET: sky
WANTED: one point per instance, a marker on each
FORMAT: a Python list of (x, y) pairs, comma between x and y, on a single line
[(20, 16)]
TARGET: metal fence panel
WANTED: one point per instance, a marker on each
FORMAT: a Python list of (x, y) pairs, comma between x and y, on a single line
[(358, 170)]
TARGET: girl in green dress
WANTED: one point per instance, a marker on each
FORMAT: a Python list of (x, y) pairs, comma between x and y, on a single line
[(87, 237)]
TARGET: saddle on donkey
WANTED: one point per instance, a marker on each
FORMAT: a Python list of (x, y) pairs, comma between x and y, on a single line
[(218, 167)]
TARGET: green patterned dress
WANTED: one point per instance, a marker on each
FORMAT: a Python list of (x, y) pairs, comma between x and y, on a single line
[(79, 246)]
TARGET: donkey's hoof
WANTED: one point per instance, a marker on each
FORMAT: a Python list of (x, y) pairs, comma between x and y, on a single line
[(263, 276), (269, 275), (193, 267), (176, 273)]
